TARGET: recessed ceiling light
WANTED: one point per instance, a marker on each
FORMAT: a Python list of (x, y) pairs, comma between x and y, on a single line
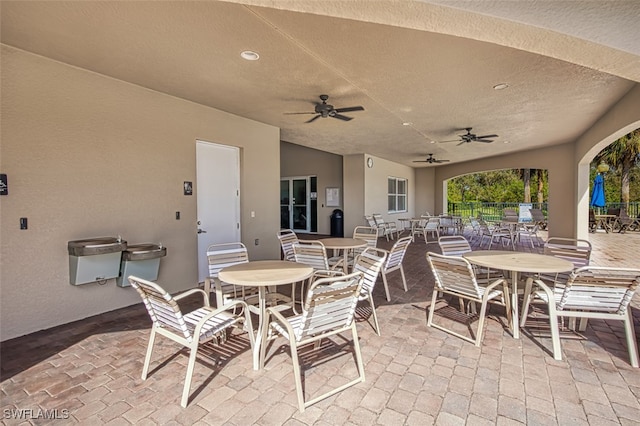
[(501, 86), (506, 142), (432, 141), (407, 123), (250, 55)]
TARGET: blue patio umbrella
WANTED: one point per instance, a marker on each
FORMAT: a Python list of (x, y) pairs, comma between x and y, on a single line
[(597, 195)]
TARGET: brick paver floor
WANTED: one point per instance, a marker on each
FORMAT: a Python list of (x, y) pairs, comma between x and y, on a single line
[(89, 371)]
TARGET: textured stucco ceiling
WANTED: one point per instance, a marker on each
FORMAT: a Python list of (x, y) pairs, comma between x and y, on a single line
[(432, 64)]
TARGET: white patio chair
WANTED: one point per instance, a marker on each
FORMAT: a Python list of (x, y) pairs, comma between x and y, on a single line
[(454, 275), (591, 292), (497, 234), (430, 225), (287, 237), (388, 228), (369, 263), (395, 256), (329, 310), (366, 233), (220, 256), (191, 330), (528, 230), (314, 254)]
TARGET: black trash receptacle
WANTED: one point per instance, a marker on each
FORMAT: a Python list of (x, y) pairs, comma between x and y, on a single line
[(337, 223)]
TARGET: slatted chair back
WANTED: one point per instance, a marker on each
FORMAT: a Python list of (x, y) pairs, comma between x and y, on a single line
[(396, 254), (330, 306), (163, 309), (454, 274), (287, 237), (371, 221), (370, 263), (388, 228), (510, 215), (454, 245), (368, 234), (537, 216), (394, 263), (576, 251), (598, 289), (311, 253), (220, 256)]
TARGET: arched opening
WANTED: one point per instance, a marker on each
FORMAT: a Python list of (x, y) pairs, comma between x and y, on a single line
[(584, 179)]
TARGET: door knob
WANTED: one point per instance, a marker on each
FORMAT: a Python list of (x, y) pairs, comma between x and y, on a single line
[(201, 231)]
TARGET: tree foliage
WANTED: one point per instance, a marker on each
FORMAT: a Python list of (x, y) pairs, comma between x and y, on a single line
[(495, 186)]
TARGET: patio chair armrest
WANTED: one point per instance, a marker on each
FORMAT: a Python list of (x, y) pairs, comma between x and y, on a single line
[(193, 291), (218, 311), (281, 319), (326, 273)]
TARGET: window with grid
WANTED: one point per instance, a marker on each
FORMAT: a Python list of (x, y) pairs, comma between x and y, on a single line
[(397, 195)]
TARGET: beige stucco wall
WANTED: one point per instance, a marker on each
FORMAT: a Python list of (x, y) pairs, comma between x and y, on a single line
[(297, 160), (366, 189), (90, 156), (376, 188), (425, 189)]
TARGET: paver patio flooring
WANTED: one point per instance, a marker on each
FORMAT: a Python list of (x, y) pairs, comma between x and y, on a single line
[(89, 371)]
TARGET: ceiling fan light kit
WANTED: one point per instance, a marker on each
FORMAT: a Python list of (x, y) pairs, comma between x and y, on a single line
[(471, 137), (430, 159), (325, 110)]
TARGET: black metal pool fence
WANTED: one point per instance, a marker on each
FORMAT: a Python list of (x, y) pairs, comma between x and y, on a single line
[(495, 211)]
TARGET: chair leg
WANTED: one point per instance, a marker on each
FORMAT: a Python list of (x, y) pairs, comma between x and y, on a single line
[(404, 280), (432, 308), (187, 379), (483, 311), (555, 332), (632, 342), (296, 373), (526, 301), (375, 317), (386, 286), (356, 348), (147, 358)]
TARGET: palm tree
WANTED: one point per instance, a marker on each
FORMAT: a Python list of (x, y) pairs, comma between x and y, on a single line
[(623, 153)]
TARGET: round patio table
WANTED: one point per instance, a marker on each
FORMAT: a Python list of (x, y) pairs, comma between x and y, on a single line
[(263, 274), (343, 244), (517, 262)]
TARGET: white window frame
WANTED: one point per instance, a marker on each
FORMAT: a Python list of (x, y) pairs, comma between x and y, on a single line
[(397, 194)]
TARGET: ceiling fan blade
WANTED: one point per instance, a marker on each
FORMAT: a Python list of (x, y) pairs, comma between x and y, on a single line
[(349, 109), (452, 140), (420, 161), (341, 117), (486, 136), (483, 141), (441, 161), (463, 142), (314, 118), (295, 113)]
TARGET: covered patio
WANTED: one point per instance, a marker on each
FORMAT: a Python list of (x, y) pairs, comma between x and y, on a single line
[(89, 370)]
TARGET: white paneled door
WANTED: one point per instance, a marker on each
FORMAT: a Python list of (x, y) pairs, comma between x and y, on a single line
[(218, 198)]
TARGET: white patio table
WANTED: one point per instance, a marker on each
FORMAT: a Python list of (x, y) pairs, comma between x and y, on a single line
[(263, 274), (517, 262)]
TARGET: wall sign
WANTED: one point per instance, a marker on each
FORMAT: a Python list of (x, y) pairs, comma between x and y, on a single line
[(188, 188), (4, 188), (333, 197)]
